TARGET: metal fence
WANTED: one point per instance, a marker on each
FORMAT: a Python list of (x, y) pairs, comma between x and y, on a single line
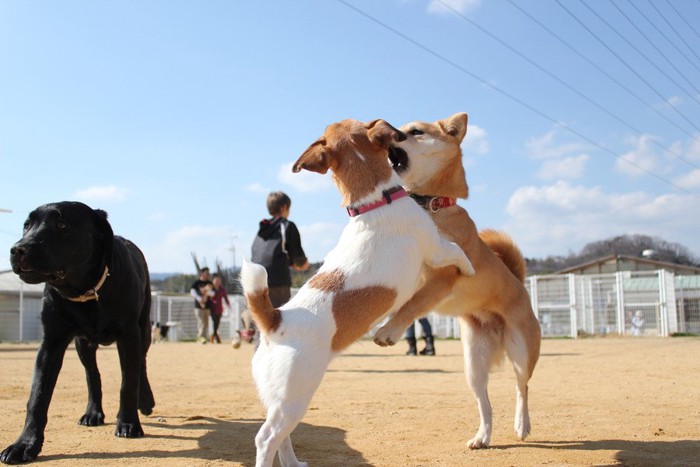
[(566, 306)]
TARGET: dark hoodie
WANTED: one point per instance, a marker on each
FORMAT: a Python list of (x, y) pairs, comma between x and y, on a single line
[(277, 246)]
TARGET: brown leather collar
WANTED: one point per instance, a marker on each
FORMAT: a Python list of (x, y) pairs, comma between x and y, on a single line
[(92, 293)]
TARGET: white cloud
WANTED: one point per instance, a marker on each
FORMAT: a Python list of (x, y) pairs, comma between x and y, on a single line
[(568, 168), (108, 193), (544, 147), (641, 160), (690, 180), (554, 219), (475, 141), (304, 181), (257, 188), (447, 6)]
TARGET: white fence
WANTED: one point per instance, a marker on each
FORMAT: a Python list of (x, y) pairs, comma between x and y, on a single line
[(566, 306)]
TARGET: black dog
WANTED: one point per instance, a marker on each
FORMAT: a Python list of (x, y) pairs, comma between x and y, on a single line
[(98, 292)]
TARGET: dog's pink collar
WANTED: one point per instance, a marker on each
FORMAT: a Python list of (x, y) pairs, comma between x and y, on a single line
[(389, 196), (92, 293)]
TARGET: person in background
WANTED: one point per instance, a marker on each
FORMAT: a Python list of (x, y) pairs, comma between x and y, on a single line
[(202, 291), (638, 323), (427, 335), (277, 247), (217, 306)]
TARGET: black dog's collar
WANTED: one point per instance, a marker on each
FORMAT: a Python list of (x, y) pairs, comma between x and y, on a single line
[(92, 293), (433, 203)]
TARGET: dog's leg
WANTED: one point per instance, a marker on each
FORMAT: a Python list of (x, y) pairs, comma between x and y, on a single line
[(517, 352), (524, 354), (438, 285), (274, 434), (130, 360), (286, 455), (446, 253), (481, 350), (87, 352), (48, 364), (146, 400)]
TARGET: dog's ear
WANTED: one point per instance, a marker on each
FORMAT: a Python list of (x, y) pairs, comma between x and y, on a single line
[(106, 235), (314, 159), (455, 125), (382, 134)]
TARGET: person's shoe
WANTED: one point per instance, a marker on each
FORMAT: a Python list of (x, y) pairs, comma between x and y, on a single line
[(411, 346), (236, 341), (429, 346)]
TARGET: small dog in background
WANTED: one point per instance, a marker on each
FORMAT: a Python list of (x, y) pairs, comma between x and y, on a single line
[(159, 332)]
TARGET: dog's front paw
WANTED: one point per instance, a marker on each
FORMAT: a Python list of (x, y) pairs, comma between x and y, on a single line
[(465, 267), (480, 441), (92, 418), (128, 430), (21, 451), (388, 335)]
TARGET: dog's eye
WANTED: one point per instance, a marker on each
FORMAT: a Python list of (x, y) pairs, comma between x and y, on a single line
[(61, 225), (415, 132), (27, 224)]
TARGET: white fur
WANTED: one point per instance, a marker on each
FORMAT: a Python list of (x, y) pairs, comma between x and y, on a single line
[(385, 247)]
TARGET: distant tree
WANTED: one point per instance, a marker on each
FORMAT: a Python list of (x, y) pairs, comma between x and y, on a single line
[(628, 245)]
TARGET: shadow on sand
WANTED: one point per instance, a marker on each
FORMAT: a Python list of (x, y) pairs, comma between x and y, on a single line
[(232, 441)]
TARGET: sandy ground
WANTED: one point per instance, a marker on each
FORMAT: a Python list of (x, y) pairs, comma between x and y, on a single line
[(607, 401)]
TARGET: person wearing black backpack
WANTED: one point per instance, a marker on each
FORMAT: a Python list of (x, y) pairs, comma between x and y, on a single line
[(277, 246)]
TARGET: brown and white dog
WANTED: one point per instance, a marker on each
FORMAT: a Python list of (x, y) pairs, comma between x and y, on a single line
[(373, 270), (493, 306)]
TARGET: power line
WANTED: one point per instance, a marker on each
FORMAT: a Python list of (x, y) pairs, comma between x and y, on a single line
[(657, 49), (662, 33), (508, 95), (564, 83), (656, 91), (683, 18), (604, 72), (673, 29)]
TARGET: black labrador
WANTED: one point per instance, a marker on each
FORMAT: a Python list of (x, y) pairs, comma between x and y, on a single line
[(97, 292)]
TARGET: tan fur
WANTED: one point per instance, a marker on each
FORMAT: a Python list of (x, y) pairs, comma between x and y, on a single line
[(493, 303), (266, 317), (356, 310), (354, 177), (331, 281)]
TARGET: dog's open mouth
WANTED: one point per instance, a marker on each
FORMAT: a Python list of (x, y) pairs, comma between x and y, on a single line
[(398, 158)]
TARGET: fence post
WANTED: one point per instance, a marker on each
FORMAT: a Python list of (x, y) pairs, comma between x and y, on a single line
[(663, 310), (620, 292), (533, 296), (573, 318)]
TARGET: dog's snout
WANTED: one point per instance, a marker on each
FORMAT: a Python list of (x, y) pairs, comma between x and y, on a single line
[(18, 250)]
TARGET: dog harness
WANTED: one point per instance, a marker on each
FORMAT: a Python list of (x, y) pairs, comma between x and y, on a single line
[(434, 203), (92, 293), (388, 196)]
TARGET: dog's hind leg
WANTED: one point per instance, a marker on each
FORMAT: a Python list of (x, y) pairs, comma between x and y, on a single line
[(482, 350), (146, 400), (523, 354), (273, 436), (287, 456), (87, 352)]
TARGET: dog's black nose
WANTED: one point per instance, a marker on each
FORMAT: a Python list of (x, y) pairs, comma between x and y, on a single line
[(18, 251)]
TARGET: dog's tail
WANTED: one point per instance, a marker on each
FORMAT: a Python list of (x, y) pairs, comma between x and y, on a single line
[(257, 295), (505, 248)]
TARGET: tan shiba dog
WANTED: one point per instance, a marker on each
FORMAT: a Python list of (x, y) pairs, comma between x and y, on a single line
[(494, 308)]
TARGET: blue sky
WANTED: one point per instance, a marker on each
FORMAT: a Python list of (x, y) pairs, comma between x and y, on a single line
[(178, 117)]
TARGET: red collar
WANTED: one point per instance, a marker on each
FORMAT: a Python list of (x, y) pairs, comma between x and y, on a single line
[(390, 195), (434, 203)]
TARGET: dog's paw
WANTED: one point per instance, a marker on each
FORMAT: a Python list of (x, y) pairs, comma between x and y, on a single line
[(92, 418), (465, 267), (522, 427), (388, 335), (128, 430), (20, 452), (480, 441)]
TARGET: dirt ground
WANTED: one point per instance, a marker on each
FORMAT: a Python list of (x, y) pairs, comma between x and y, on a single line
[(606, 401)]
